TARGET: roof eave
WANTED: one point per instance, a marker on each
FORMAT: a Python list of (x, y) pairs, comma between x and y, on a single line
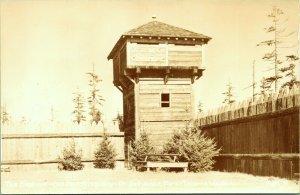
[(171, 36), (119, 42), (124, 37)]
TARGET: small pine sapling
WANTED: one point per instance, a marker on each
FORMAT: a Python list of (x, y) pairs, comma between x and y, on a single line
[(71, 158), (140, 147), (105, 154)]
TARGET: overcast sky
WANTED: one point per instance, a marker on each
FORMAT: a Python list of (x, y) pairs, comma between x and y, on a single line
[(47, 46)]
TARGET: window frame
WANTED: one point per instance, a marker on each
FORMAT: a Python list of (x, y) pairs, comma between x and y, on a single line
[(165, 102)]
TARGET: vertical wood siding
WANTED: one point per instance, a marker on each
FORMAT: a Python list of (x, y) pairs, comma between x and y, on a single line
[(43, 148), (260, 137)]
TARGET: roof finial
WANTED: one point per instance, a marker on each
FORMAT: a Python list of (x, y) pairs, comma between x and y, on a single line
[(153, 17)]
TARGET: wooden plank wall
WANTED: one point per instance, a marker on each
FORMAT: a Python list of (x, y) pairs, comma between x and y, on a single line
[(45, 148), (184, 55), (266, 133), (261, 138), (164, 55), (265, 143), (147, 54), (160, 122), (150, 104)]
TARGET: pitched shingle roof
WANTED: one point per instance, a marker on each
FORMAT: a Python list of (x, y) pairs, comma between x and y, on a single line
[(156, 28), (159, 30)]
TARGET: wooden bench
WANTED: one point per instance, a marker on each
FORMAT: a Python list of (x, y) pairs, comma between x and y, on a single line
[(161, 164)]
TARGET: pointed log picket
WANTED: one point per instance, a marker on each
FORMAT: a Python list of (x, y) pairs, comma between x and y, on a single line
[(245, 108), (269, 103), (285, 94), (279, 100), (274, 100), (286, 98), (296, 94)]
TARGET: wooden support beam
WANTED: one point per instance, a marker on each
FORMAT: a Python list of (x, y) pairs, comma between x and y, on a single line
[(123, 82), (193, 79), (128, 76), (167, 75), (194, 73), (119, 85), (166, 78), (199, 75), (120, 88), (138, 72)]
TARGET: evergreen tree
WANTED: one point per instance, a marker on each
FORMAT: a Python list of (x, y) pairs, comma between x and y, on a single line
[(194, 148), (228, 94), (71, 158), (275, 42), (95, 99), (78, 112), (140, 147), (290, 72), (105, 154), (265, 86)]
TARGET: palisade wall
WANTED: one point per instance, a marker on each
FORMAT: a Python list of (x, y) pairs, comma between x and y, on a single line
[(260, 136), (45, 148)]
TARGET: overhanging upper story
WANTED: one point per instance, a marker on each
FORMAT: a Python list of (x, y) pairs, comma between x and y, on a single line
[(157, 50)]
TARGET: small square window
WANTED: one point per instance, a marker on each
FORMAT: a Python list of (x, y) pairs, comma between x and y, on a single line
[(165, 100), (165, 97)]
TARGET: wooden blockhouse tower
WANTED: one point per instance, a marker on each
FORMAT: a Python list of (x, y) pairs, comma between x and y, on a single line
[(155, 66)]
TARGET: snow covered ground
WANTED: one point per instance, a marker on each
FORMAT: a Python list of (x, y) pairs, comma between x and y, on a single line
[(121, 180)]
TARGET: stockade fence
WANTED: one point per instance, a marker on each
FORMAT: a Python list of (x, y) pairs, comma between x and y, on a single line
[(45, 148), (260, 136)]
